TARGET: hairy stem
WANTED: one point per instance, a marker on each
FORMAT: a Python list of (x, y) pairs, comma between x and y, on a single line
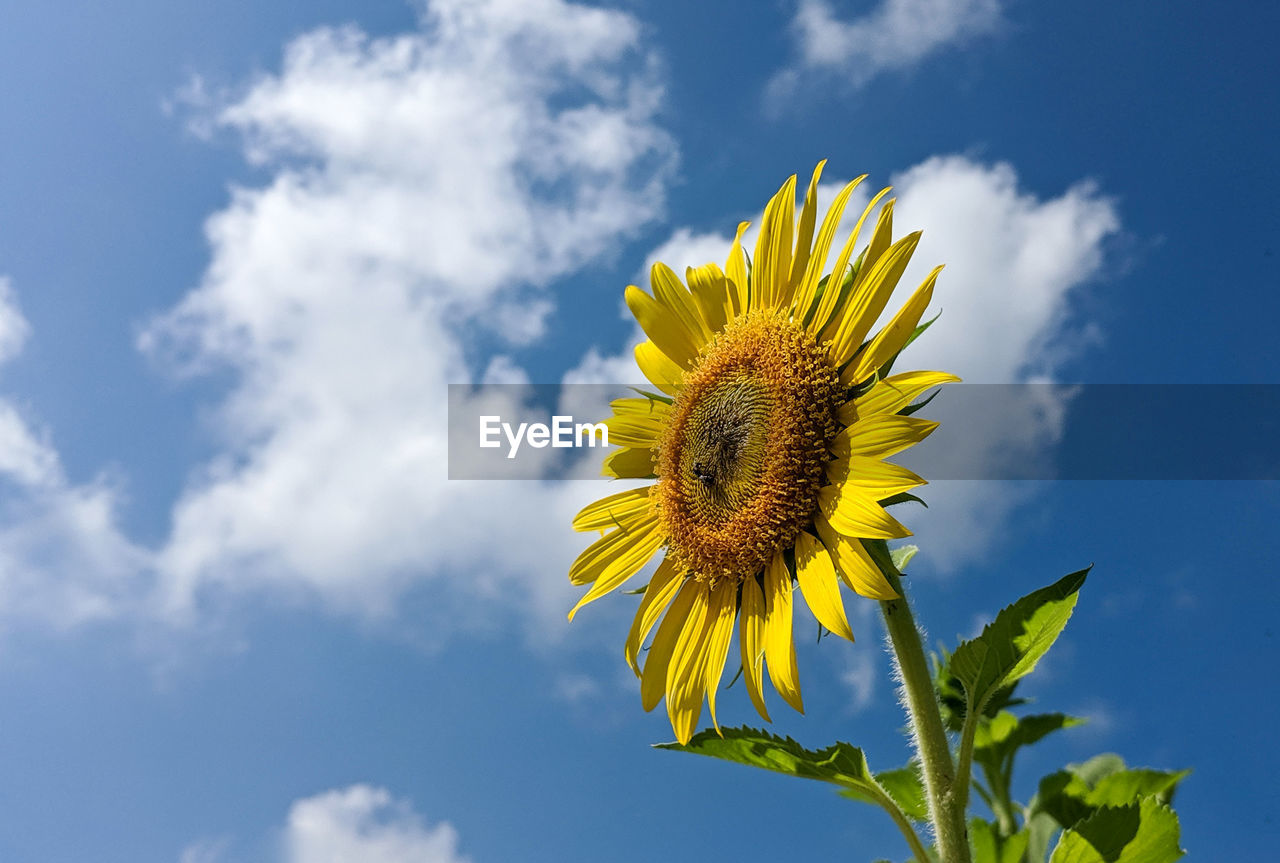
[(946, 809), (964, 763)]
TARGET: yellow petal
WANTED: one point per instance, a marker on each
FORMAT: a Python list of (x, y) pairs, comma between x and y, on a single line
[(881, 436), (629, 463), (661, 325), (686, 681), (817, 576), (804, 232), (640, 406), (827, 305), (772, 263), (890, 340), (751, 642), (634, 430), (621, 543), (711, 293), (779, 647), (614, 510), (671, 293), (653, 681), (724, 607), (869, 297), (623, 562), (853, 563), (892, 394), (853, 514), (735, 270), (881, 236), (658, 368), (875, 478), (817, 260), (664, 584)]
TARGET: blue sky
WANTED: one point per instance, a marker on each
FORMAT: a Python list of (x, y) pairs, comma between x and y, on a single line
[(244, 247)]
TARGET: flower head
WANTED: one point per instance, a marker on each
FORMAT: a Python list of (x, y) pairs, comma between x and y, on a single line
[(767, 444)]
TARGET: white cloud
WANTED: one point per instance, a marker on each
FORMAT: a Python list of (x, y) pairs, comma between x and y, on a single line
[(426, 190), (205, 851), (14, 328), (897, 34), (1013, 264), (366, 824), (360, 823), (63, 559), (860, 676), (1012, 261)]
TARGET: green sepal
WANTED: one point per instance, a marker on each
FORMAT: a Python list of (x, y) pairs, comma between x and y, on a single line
[(902, 555), (1143, 832), (918, 406), (886, 369), (1011, 645), (903, 497), (653, 397)]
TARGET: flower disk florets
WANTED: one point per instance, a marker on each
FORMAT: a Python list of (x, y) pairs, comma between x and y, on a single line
[(743, 457)]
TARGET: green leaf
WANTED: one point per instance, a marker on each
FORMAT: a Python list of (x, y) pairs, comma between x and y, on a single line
[(1145, 832), (907, 790), (1006, 732), (840, 763), (1061, 796), (1098, 767), (990, 847), (998, 740), (1075, 794), (1040, 828), (951, 695), (1128, 786), (1011, 645)]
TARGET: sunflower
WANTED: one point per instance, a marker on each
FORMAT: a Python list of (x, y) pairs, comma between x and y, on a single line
[(767, 442)]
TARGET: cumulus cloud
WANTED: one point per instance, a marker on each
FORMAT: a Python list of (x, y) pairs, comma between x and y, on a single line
[(365, 823), (897, 34), (63, 559), (361, 822), (1014, 263), (426, 190)]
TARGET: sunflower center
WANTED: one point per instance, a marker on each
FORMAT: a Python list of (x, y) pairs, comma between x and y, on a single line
[(743, 455)]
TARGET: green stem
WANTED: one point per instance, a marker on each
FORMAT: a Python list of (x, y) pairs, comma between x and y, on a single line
[(904, 824), (945, 808), (964, 764)]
